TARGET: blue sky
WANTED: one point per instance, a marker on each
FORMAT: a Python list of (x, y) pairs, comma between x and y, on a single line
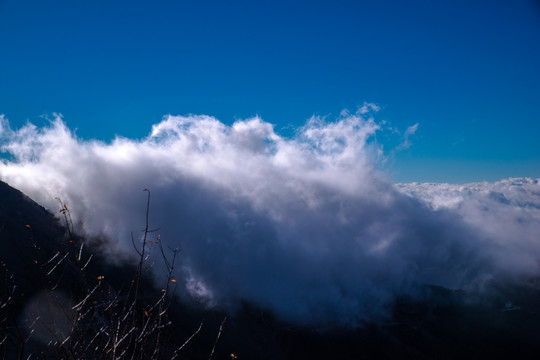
[(468, 72)]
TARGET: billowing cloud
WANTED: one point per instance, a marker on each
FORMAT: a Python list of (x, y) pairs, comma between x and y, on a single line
[(507, 212), (306, 226)]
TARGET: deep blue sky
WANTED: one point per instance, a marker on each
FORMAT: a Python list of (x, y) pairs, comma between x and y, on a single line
[(467, 71)]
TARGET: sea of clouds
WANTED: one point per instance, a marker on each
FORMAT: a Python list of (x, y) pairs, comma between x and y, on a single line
[(305, 226)]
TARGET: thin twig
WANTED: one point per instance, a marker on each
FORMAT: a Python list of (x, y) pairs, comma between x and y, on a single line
[(217, 338), (187, 341)]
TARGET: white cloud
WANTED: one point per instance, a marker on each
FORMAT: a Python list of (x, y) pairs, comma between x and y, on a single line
[(367, 108), (306, 227)]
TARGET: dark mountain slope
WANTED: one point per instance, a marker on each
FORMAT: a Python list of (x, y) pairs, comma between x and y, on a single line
[(29, 236), (60, 300)]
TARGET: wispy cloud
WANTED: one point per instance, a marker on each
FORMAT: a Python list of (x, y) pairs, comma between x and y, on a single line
[(406, 143), (304, 226)]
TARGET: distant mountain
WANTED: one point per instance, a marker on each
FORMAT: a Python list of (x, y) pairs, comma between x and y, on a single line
[(61, 301)]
